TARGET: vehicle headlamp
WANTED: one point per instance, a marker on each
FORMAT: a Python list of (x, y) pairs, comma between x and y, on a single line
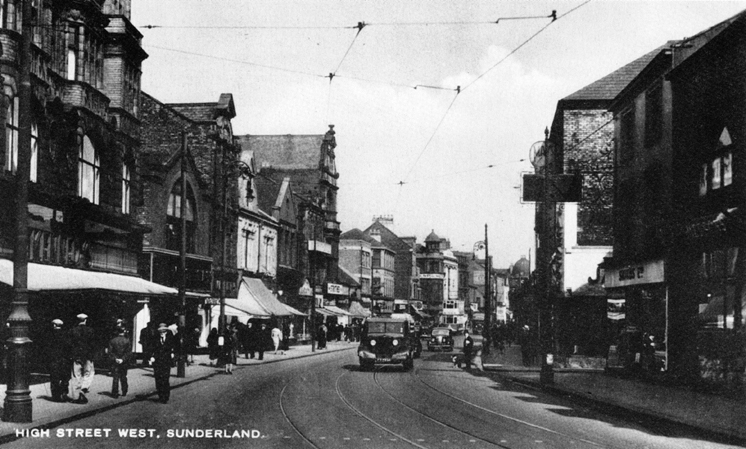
[(395, 342), (372, 342)]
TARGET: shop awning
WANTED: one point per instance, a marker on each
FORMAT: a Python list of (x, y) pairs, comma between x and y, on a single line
[(294, 311), (337, 310), (358, 311), (50, 278), (322, 311), (255, 290)]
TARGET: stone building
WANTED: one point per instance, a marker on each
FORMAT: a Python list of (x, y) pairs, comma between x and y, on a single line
[(309, 163), (205, 130), (583, 134), (84, 187)]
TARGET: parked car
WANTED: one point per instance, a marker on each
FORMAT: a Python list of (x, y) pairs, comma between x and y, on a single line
[(441, 339), (388, 341)]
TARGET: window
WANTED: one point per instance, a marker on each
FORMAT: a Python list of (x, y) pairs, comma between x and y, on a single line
[(34, 152), (125, 189), (89, 171), (653, 115), (717, 171), (11, 136), (173, 219)]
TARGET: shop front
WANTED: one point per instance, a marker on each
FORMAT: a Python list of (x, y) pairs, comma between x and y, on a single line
[(57, 292), (639, 291)]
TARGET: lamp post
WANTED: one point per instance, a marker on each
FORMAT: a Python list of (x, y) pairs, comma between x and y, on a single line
[(486, 337), (181, 366), (17, 406)]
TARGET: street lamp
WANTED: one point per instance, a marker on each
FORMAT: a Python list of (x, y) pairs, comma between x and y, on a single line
[(486, 337), (540, 155)]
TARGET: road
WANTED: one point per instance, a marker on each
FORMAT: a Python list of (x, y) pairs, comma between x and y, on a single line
[(325, 401)]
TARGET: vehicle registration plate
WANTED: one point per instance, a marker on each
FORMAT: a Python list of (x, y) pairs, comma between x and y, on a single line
[(382, 360)]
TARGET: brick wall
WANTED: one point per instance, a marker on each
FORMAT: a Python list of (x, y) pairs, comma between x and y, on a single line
[(588, 147)]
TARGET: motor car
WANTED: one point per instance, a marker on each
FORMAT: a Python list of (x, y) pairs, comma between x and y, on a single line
[(441, 339), (388, 341)]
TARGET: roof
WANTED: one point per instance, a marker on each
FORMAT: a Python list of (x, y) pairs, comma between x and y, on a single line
[(433, 237), (346, 278), (287, 152), (198, 112), (608, 87), (353, 234)]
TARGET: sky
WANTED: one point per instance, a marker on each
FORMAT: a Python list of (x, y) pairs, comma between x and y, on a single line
[(435, 103)]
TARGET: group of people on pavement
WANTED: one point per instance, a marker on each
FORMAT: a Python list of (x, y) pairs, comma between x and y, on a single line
[(72, 354), (250, 339)]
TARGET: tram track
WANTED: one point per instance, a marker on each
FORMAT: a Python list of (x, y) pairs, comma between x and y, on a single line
[(441, 423), (504, 416)]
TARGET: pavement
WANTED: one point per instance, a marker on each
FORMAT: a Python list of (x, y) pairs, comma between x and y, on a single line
[(717, 415), (47, 414)]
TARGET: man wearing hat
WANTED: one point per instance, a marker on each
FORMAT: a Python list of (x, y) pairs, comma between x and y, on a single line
[(162, 356), (59, 362), (82, 351), (120, 355)]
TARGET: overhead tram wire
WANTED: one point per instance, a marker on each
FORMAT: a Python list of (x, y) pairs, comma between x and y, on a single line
[(331, 27), (460, 89), (238, 61)]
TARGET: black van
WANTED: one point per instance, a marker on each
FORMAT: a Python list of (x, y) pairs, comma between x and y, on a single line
[(388, 341)]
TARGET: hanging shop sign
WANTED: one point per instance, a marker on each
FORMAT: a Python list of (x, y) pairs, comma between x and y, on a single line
[(643, 273), (616, 309), (336, 289)]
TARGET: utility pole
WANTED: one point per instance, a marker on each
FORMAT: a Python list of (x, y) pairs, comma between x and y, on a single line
[(181, 367), (17, 406), (313, 292), (486, 337), (546, 375)]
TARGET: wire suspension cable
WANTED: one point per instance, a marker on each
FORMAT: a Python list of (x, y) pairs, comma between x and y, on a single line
[(299, 72)]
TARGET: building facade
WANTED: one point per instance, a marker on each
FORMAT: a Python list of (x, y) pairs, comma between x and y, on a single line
[(84, 189)]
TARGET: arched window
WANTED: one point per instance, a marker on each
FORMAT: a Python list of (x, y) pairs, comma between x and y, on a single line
[(173, 218), (126, 179), (34, 152), (11, 136), (89, 171)]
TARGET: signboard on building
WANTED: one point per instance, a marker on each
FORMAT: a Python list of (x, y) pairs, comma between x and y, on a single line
[(336, 289), (212, 301), (643, 273), (562, 188), (432, 276)]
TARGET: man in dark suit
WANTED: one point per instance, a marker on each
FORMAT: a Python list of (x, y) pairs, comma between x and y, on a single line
[(120, 355), (60, 364), (162, 354)]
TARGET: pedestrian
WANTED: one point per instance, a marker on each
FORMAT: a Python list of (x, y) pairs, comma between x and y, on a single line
[(468, 348), (322, 336), (213, 349), (120, 356), (348, 333), (249, 340), (276, 339), (147, 335), (263, 340), (193, 344), (229, 349), (162, 358), (82, 349), (60, 364)]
